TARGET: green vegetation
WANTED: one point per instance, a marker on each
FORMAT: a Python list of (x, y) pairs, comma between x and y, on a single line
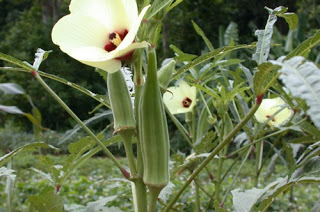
[(98, 178)]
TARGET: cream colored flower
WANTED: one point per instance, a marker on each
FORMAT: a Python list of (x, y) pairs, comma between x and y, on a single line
[(100, 33), (269, 107), (180, 99)]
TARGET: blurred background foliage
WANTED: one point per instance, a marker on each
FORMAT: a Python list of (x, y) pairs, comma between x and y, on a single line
[(25, 25)]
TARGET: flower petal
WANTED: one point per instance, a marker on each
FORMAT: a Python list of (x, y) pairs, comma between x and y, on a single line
[(112, 13), (74, 31), (269, 107), (118, 53), (173, 99), (93, 56), (176, 95), (110, 66), (133, 30)]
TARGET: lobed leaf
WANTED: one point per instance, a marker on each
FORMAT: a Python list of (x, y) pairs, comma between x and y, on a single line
[(302, 78)]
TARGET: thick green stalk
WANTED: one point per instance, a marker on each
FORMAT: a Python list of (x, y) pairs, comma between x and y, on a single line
[(126, 139), (226, 141), (140, 187), (197, 201), (154, 193), (75, 117)]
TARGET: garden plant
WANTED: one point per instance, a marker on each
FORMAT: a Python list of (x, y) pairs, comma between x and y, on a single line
[(233, 106)]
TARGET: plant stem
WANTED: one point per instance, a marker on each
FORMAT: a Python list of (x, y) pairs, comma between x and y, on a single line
[(140, 187), (180, 127), (154, 193), (226, 141), (236, 176), (197, 201), (259, 152), (126, 138), (75, 117)]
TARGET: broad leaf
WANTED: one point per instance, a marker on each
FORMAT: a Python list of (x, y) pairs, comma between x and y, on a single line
[(302, 78), (11, 88), (46, 201)]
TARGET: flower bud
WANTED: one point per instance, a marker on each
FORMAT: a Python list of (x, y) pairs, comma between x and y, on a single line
[(165, 74)]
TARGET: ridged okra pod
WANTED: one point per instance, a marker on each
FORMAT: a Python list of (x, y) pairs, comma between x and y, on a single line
[(120, 102), (154, 130)]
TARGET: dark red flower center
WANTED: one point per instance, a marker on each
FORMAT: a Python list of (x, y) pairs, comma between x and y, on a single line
[(186, 102), (269, 117), (114, 40)]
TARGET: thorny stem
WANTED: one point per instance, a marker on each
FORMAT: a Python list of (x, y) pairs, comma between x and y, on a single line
[(212, 154), (75, 117)]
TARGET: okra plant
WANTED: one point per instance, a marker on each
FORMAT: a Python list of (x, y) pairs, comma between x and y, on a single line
[(222, 109)]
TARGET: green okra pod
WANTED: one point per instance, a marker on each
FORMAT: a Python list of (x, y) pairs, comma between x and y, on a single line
[(154, 130)]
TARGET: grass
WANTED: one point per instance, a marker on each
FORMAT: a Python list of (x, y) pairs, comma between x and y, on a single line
[(99, 178)]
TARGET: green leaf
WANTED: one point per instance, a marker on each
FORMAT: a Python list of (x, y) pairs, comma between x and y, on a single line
[(244, 200), (231, 34), (41, 55), (46, 201), (27, 147), (156, 8), (205, 143), (291, 18), (264, 41), (203, 35), (207, 91), (266, 71), (100, 98), (174, 5), (304, 47), (11, 88), (15, 61), (181, 56), (302, 78), (96, 117), (208, 56), (11, 109)]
